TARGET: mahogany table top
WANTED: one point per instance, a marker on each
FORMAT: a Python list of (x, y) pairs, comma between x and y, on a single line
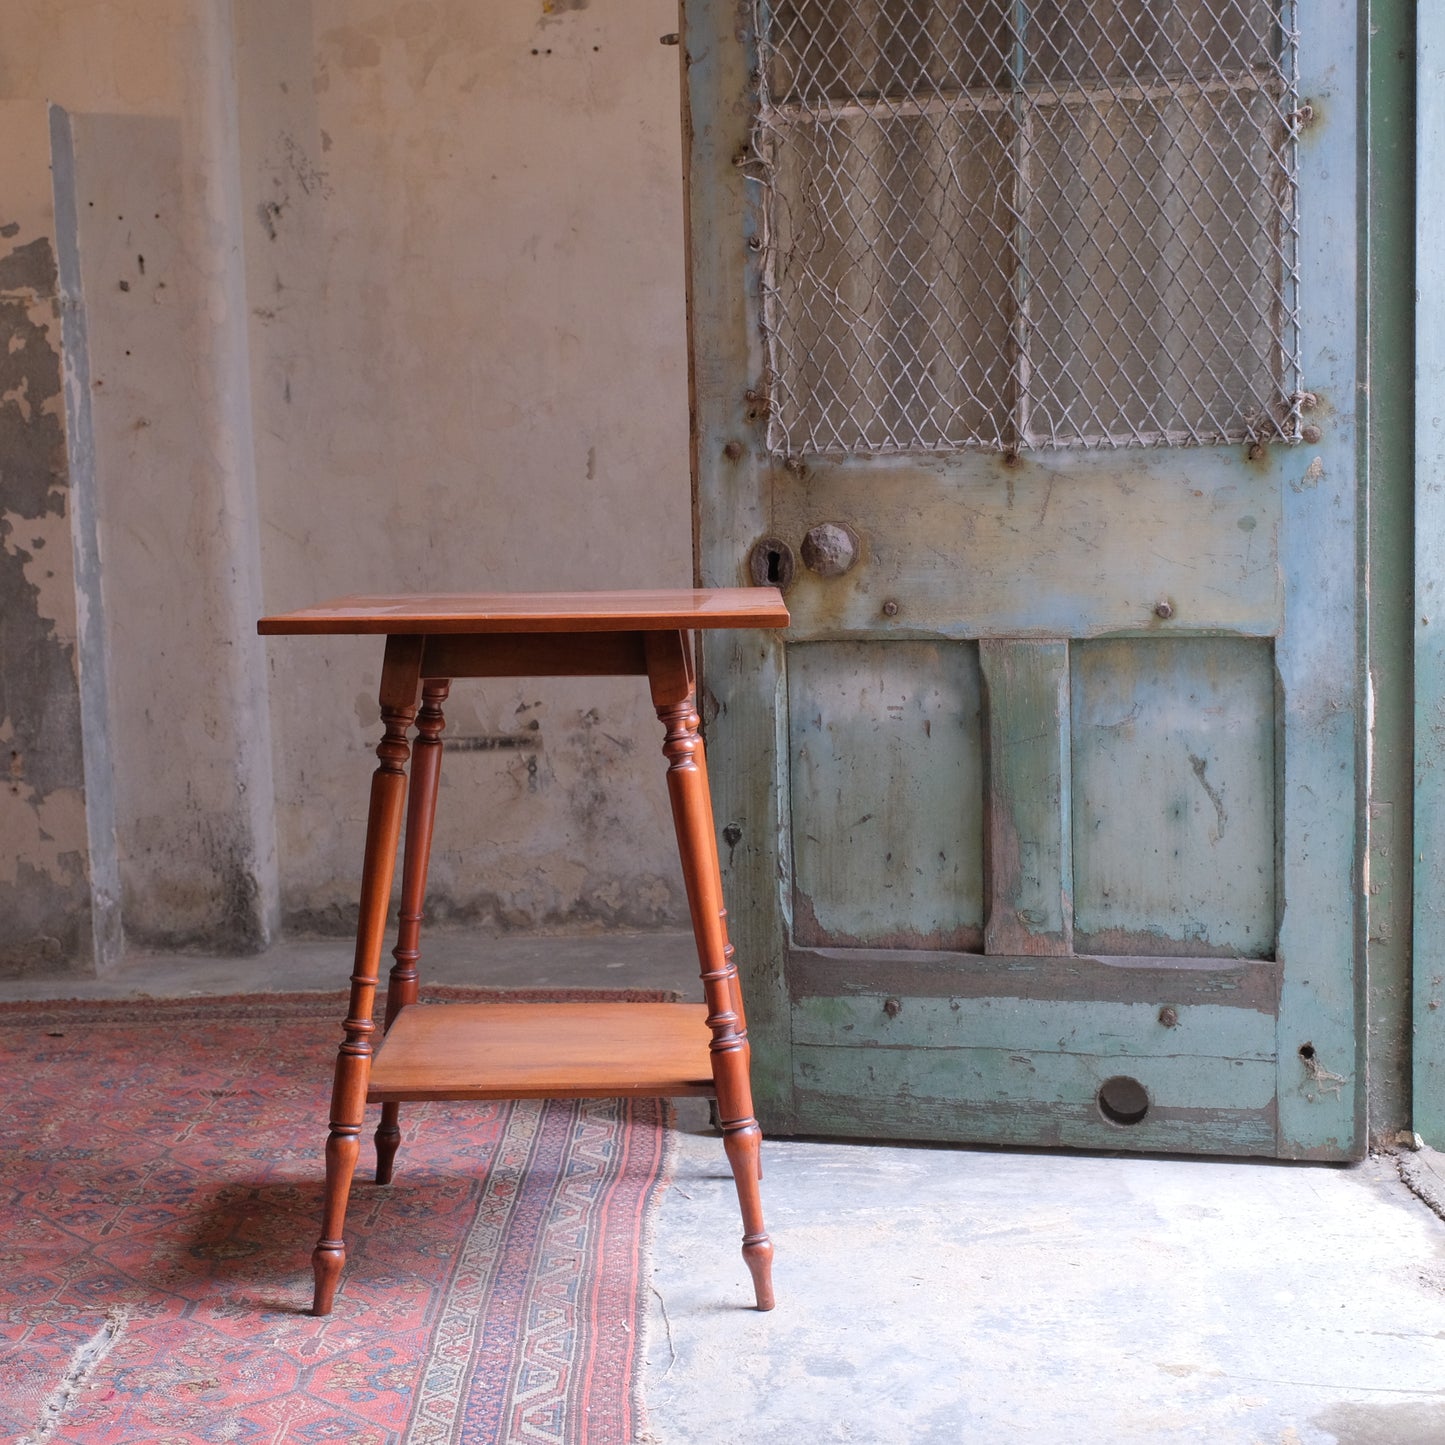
[(511, 612)]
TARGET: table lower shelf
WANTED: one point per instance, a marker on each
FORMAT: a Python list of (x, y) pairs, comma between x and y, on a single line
[(543, 1051)]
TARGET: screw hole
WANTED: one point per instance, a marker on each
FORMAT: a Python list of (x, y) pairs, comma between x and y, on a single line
[(1306, 1052), (1123, 1100)]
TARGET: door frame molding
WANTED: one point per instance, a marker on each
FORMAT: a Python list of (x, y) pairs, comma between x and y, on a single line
[(1428, 623)]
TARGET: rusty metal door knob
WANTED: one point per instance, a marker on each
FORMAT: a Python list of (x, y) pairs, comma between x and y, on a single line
[(830, 548)]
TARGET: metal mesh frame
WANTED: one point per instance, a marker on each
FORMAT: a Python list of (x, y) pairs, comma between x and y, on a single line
[(1018, 224)]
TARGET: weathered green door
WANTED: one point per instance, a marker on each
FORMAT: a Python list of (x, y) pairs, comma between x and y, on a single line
[(1023, 356)]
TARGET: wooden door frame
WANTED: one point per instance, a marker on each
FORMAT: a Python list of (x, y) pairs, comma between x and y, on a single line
[(1427, 845)]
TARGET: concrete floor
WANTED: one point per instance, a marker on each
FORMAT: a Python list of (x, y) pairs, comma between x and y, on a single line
[(949, 1295)]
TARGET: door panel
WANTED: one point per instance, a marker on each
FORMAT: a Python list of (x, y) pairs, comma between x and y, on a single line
[(1047, 803), (1030, 841), (1174, 796), (887, 764), (1049, 545)]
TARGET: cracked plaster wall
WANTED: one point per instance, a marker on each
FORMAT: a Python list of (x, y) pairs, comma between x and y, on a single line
[(45, 917), (380, 296), (151, 95)]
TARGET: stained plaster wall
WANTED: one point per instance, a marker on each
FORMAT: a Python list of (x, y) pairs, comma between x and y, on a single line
[(464, 252), (379, 296), (57, 868)]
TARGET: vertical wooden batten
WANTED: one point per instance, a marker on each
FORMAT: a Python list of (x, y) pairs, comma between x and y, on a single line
[(1387, 460), (1428, 1068)]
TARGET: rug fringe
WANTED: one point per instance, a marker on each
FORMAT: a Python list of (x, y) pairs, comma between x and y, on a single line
[(643, 1315)]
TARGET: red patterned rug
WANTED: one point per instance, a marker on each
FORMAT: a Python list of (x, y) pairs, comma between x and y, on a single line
[(160, 1191)]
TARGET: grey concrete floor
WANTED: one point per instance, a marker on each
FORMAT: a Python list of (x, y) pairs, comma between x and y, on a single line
[(952, 1294)]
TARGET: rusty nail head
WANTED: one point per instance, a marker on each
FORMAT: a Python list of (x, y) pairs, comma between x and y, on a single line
[(893, 1007), (890, 608), (733, 450), (1164, 609), (1169, 1016), (1311, 433), (1255, 452)]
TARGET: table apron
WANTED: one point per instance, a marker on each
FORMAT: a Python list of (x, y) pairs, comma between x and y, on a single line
[(534, 654)]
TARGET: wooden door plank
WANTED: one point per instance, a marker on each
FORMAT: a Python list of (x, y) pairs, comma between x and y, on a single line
[(1237, 983), (1026, 689), (1429, 911), (1388, 422), (1109, 1030), (1020, 1096), (1318, 656), (1054, 544)]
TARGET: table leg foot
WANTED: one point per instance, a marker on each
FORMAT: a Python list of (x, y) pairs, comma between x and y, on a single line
[(758, 1256), (327, 1261), (329, 1255), (388, 1140), (743, 1142)]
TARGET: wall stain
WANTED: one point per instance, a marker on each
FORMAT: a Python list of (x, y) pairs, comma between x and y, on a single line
[(1216, 795), (41, 907), (355, 49)]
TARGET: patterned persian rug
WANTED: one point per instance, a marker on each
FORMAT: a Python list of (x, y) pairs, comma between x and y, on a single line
[(160, 1191)]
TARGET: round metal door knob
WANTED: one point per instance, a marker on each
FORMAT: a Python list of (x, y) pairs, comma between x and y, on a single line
[(830, 549)]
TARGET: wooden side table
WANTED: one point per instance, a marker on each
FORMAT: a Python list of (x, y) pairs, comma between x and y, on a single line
[(532, 1051)]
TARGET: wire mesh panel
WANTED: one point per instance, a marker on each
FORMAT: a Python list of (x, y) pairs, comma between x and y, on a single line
[(1027, 223)]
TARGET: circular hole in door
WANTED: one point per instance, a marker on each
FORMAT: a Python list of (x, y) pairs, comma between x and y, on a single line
[(1123, 1100)]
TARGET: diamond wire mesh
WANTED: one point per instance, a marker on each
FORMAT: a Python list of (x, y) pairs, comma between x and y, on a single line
[(1017, 224)]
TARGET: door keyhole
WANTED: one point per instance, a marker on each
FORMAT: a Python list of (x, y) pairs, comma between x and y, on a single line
[(771, 564)]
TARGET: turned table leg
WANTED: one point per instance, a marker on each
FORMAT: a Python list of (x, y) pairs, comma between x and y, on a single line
[(670, 674), (421, 811), (700, 762), (400, 678)]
